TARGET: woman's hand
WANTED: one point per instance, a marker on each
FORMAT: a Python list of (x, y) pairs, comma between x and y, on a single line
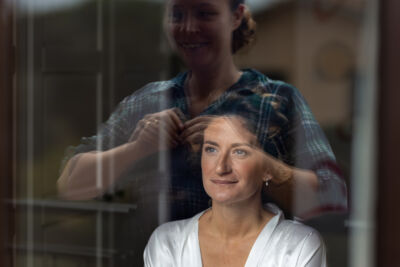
[(279, 171), (293, 189), (158, 131), (80, 180), (193, 131)]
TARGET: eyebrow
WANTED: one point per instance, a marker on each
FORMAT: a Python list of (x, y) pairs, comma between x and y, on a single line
[(206, 4), (233, 145), (242, 144), (210, 143)]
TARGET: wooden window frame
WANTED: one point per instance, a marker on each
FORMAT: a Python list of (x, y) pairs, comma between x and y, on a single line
[(7, 63), (388, 200)]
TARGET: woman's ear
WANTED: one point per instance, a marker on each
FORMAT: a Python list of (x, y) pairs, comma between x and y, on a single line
[(238, 16), (267, 177)]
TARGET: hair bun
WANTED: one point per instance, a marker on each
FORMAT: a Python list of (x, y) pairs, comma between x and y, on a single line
[(245, 33)]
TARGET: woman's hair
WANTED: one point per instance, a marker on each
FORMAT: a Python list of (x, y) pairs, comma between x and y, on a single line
[(245, 33), (252, 108)]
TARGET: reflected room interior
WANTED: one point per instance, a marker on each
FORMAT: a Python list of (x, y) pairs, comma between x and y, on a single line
[(76, 60)]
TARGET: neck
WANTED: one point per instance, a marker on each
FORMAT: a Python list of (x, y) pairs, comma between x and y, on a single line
[(237, 221), (212, 81)]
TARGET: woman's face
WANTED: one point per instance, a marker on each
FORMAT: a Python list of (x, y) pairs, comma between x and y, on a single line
[(232, 163), (201, 30)]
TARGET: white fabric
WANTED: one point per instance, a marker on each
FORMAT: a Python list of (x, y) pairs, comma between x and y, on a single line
[(282, 243)]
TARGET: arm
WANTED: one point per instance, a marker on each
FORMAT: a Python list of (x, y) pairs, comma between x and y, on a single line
[(290, 186), (309, 180), (87, 175)]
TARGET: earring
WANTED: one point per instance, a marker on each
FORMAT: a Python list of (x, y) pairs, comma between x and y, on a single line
[(268, 178)]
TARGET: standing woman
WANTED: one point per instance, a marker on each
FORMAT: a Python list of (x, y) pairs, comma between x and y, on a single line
[(168, 115)]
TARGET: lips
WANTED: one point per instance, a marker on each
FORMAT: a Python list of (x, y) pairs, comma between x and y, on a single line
[(223, 181), (192, 45)]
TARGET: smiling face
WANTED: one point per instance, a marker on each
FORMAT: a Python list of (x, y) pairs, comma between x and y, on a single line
[(201, 30), (232, 163)]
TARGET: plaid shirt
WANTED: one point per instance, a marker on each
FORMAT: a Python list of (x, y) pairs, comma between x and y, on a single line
[(300, 143)]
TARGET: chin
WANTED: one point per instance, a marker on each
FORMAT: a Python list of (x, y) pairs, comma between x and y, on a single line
[(223, 199), (230, 198), (197, 63)]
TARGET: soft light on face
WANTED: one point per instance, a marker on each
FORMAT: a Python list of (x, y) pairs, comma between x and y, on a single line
[(232, 164), (201, 30)]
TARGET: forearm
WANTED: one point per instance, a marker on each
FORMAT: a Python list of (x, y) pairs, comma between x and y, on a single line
[(305, 194), (88, 175), (296, 190)]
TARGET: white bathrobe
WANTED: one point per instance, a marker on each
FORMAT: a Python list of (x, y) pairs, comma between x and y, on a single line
[(281, 243)]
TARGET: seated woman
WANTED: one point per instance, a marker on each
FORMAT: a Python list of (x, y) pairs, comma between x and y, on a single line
[(238, 229)]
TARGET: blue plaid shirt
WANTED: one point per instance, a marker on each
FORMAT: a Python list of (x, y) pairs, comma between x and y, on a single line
[(300, 143)]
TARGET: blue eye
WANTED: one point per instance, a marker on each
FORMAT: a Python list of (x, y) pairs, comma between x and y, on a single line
[(240, 152), (209, 149)]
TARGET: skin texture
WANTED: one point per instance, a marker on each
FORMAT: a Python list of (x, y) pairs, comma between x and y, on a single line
[(233, 166), (234, 171)]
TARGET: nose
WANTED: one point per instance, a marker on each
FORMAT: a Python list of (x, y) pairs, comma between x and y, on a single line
[(190, 24), (224, 164)]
